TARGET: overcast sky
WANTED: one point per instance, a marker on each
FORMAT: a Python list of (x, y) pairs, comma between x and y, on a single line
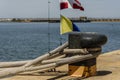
[(39, 9)]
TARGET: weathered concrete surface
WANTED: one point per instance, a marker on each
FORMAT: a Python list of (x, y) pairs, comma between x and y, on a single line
[(108, 68)]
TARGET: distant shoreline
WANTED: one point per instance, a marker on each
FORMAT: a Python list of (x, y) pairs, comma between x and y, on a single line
[(54, 20)]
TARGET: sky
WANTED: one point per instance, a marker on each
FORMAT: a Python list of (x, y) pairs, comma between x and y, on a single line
[(43, 9)]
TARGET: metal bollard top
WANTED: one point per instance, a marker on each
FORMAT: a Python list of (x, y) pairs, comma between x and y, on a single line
[(86, 39)]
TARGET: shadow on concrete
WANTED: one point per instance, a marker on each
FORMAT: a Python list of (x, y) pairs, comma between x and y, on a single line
[(103, 73), (57, 77)]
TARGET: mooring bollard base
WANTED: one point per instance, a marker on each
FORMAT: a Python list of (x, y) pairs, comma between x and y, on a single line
[(84, 68), (76, 71)]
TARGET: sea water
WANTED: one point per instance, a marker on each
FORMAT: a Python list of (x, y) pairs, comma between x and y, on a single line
[(22, 41)]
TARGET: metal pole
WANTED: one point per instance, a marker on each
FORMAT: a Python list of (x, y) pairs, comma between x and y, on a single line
[(48, 26)]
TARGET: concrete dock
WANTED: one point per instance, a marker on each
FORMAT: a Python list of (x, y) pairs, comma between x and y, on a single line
[(108, 68)]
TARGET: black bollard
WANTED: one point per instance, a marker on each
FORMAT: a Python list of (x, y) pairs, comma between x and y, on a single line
[(88, 40)]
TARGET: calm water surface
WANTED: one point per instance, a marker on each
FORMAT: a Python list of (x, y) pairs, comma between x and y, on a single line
[(21, 41)]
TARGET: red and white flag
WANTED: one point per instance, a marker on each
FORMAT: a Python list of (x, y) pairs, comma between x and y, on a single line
[(75, 4), (65, 4)]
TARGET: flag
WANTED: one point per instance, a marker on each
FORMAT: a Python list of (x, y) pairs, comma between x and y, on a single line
[(75, 27), (75, 4), (67, 25), (65, 4)]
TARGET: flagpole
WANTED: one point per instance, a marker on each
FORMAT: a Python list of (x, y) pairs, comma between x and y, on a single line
[(48, 26), (60, 20)]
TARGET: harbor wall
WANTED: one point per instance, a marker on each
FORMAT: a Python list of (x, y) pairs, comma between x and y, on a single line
[(81, 19)]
